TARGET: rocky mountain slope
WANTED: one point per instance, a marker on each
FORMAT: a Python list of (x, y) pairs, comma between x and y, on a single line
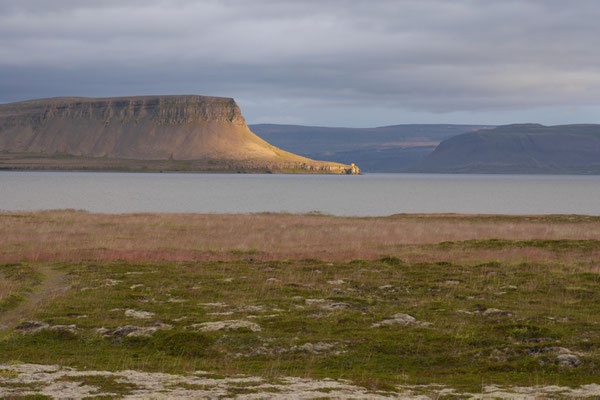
[(383, 149), (183, 132), (522, 148)]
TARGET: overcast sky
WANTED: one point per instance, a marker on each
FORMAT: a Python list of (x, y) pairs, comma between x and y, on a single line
[(335, 63)]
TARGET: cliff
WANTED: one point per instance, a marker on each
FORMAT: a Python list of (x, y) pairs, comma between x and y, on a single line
[(520, 148), (208, 132)]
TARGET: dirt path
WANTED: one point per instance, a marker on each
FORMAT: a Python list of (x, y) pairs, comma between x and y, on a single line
[(53, 284)]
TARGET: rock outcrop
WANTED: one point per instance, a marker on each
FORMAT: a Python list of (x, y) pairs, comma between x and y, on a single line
[(210, 131)]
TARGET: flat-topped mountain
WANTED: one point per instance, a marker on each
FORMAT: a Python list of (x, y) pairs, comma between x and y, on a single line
[(182, 132), (520, 148)]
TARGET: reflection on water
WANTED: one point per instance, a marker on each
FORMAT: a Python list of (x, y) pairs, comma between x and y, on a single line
[(369, 194)]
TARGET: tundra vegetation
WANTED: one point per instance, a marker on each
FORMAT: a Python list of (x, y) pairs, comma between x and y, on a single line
[(264, 302)]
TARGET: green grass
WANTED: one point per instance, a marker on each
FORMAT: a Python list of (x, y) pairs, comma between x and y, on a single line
[(16, 280), (556, 245), (554, 305)]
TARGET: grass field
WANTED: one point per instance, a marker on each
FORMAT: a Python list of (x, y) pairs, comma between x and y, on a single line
[(386, 305)]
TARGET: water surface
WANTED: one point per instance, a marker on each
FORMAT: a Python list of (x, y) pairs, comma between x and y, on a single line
[(364, 195)]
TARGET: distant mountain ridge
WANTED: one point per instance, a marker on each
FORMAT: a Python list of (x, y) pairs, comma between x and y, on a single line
[(392, 148), (519, 148), (176, 132)]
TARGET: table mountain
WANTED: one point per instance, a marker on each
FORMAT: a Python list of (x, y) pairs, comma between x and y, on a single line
[(181, 132)]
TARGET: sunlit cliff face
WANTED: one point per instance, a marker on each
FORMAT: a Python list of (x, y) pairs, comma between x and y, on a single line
[(186, 127)]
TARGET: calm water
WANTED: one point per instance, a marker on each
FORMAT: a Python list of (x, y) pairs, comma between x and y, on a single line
[(369, 194)]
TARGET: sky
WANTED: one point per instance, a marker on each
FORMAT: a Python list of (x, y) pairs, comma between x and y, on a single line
[(353, 63)]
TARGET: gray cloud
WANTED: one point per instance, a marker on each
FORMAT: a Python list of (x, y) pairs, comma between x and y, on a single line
[(343, 62)]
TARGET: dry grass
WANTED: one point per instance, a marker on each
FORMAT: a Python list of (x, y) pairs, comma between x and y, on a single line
[(75, 236)]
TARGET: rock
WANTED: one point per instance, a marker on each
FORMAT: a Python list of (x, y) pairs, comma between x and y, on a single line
[(216, 305), (102, 331), (64, 328), (273, 280), (134, 331), (31, 326), (565, 357), (494, 312), (228, 325), (135, 286), (336, 306), (314, 301), (541, 339), (252, 308), (386, 287), (176, 300), (125, 330), (36, 326), (568, 360), (312, 348), (139, 314), (336, 282), (397, 319), (316, 348), (263, 316)]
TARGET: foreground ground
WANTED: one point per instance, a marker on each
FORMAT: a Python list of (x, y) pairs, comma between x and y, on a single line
[(286, 306)]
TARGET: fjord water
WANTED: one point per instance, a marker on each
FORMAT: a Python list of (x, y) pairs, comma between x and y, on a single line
[(364, 195)]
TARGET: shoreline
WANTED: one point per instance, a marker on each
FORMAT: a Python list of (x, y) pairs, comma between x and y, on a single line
[(71, 163)]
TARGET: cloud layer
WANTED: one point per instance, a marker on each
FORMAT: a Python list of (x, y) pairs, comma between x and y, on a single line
[(340, 62)]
